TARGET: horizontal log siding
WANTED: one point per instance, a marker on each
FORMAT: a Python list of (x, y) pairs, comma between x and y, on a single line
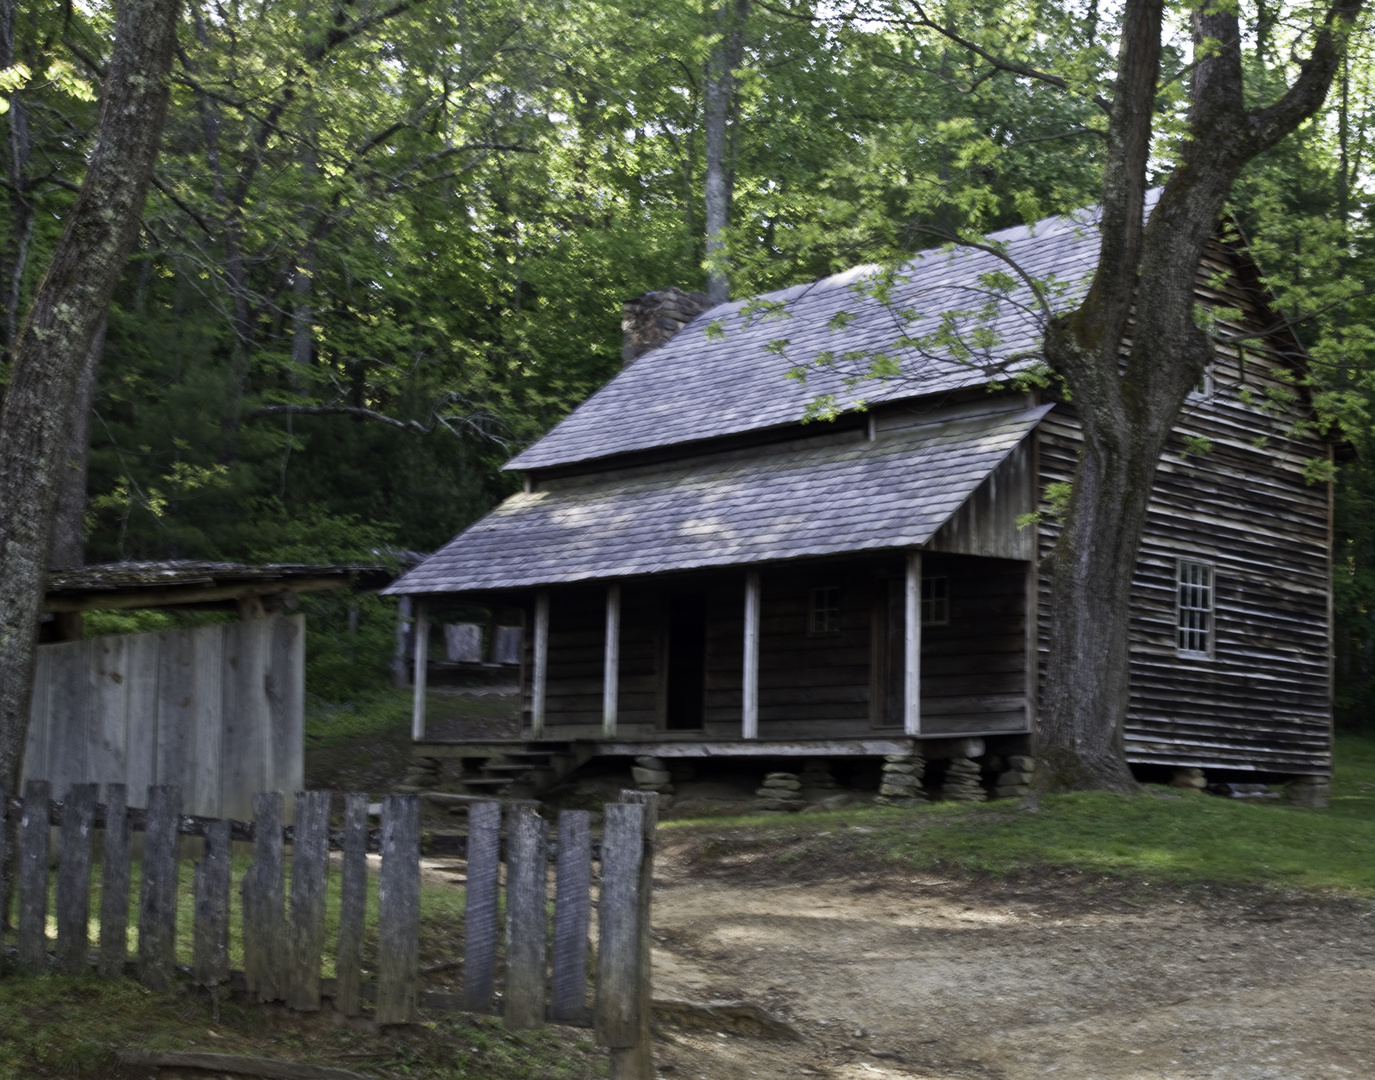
[(577, 637), (973, 671), (1262, 702)]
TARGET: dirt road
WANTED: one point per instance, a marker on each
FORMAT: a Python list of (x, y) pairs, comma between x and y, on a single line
[(1053, 975)]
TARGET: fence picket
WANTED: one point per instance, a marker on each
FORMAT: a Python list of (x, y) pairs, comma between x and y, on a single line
[(210, 965), (636, 1062), (480, 906), (352, 905), (157, 916), (74, 879), (114, 884), (527, 924), (33, 877), (398, 931), (309, 875), (264, 899), (617, 1015), (572, 917)]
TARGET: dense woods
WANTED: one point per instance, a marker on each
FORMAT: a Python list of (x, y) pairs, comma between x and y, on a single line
[(387, 244)]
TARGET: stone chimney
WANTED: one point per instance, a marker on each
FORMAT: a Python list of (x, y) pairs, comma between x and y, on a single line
[(650, 320)]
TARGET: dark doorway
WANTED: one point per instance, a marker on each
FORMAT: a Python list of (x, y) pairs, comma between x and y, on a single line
[(687, 661)]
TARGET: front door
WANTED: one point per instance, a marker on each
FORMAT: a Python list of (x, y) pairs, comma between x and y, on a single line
[(687, 661)]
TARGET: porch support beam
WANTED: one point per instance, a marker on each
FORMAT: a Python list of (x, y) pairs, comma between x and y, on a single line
[(612, 673), (911, 667), (749, 705), (422, 668), (539, 678)]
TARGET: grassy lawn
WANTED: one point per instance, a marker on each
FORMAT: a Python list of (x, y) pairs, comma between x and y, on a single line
[(1164, 834)]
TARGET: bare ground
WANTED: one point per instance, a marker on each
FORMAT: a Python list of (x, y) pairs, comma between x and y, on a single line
[(1052, 974)]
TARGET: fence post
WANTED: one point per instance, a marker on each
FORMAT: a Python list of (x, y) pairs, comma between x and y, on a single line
[(309, 876), (352, 905), (527, 921), (33, 877), (572, 914), (74, 880), (114, 883), (263, 900), (157, 916), (480, 906), (4, 858), (616, 1014), (398, 901), (636, 1062), (210, 966)]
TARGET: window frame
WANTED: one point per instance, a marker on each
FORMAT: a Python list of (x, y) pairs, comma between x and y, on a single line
[(831, 609), (1209, 630), (930, 602)]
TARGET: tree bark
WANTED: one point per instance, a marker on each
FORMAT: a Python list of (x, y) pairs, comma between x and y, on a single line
[(56, 337), (1129, 399), (69, 524), (719, 94)]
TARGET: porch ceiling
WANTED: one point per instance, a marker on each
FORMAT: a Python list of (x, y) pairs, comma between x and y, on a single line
[(895, 492)]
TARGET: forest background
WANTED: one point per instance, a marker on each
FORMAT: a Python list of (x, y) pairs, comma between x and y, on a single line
[(388, 243)]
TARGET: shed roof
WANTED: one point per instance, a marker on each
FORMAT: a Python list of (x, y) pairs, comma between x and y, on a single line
[(703, 385), (730, 509)]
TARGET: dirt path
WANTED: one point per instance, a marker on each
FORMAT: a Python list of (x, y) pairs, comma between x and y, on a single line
[(921, 977)]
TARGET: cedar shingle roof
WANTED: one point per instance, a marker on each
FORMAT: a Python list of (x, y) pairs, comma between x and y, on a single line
[(702, 385), (731, 509)]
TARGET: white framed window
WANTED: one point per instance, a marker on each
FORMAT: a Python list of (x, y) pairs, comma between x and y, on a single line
[(1205, 386), (935, 601), (1195, 608), (823, 611)]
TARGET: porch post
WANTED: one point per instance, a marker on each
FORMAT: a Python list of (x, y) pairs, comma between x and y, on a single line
[(540, 676), (749, 704), (612, 674), (911, 668), (422, 662)]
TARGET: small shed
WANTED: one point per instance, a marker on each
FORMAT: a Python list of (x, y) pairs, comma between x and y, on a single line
[(217, 709)]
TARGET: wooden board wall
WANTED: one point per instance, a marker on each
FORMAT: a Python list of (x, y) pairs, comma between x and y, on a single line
[(218, 710), (1262, 701)]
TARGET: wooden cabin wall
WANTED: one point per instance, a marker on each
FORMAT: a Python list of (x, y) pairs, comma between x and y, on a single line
[(1262, 701)]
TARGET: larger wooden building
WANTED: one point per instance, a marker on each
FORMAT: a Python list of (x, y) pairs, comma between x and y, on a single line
[(705, 573)]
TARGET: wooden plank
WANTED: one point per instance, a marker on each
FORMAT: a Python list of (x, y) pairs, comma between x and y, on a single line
[(210, 963), (141, 703), (33, 877), (263, 901), (309, 875), (611, 661), (181, 698), (286, 687), (480, 906), (107, 703), (74, 879), (422, 668), (352, 905), (616, 1014), (243, 722), (114, 884), (637, 1061), (66, 756), (157, 916), (540, 675), (398, 902), (527, 927), (572, 918)]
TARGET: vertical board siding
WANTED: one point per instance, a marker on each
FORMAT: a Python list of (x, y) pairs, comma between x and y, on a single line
[(216, 710), (1261, 701)]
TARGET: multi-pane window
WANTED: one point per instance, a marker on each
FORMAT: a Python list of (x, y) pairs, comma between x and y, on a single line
[(935, 601), (1195, 608), (823, 612)]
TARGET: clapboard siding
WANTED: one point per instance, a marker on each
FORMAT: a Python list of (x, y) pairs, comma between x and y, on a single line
[(1261, 702), (216, 710)]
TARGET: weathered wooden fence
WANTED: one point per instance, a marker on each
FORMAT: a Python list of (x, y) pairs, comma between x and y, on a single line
[(546, 969)]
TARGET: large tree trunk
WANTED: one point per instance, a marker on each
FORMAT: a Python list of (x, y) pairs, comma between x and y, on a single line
[(1129, 400), (69, 521), (67, 310), (719, 95)]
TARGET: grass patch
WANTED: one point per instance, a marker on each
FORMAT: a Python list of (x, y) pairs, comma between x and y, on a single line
[(1160, 835)]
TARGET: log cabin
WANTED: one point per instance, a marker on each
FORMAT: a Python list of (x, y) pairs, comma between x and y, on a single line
[(710, 568)]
